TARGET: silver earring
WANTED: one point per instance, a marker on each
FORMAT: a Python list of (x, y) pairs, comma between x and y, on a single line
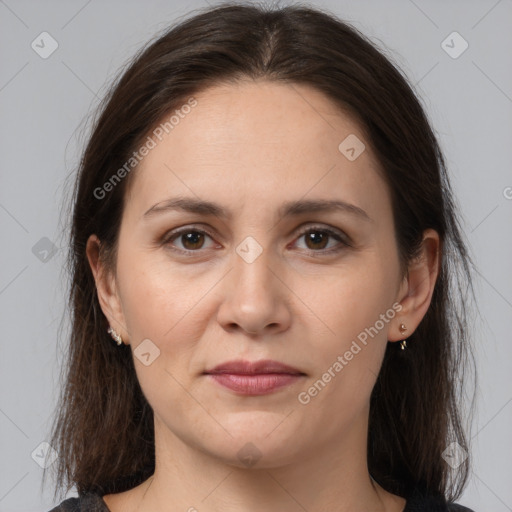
[(114, 335)]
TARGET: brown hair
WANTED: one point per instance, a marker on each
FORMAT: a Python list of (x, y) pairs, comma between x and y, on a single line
[(103, 428)]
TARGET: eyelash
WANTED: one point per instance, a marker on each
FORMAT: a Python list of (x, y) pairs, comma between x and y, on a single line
[(309, 229)]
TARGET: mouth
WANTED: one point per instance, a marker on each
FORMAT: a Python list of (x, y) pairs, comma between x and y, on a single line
[(264, 366), (254, 378)]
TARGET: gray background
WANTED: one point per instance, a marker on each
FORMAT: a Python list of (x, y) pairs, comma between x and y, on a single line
[(43, 104)]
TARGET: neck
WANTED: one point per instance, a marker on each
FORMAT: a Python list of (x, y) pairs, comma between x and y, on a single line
[(327, 478)]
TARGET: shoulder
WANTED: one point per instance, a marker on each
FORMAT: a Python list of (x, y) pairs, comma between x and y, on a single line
[(69, 505), (454, 507), (89, 502), (422, 501)]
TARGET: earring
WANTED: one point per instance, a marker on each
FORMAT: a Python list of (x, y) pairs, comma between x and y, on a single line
[(403, 343), (114, 335)]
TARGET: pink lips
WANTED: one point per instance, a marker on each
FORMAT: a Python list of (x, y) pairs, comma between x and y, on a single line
[(258, 378)]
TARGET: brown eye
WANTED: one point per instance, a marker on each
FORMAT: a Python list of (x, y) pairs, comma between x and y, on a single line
[(316, 239), (191, 240)]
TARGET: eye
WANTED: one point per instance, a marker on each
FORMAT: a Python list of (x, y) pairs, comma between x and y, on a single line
[(317, 239), (191, 239)]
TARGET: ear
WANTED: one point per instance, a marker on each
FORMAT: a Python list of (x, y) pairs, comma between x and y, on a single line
[(108, 296), (418, 286)]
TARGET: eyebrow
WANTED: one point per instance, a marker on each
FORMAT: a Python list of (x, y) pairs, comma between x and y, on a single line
[(289, 208)]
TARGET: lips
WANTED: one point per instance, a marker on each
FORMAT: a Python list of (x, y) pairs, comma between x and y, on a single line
[(254, 378), (264, 366)]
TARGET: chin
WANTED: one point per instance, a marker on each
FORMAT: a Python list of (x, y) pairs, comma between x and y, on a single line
[(257, 446)]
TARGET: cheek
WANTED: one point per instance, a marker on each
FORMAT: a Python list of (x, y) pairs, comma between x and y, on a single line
[(348, 359), (352, 299), (150, 305), (157, 298), (160, 304), (355, 308)]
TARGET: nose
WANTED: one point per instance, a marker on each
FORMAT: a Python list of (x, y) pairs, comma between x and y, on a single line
[(255, 297)]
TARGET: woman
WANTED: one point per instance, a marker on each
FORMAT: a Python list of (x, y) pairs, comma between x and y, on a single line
[(264, 258)]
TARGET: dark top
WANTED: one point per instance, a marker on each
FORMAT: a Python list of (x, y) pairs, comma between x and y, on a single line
[(417, 502)]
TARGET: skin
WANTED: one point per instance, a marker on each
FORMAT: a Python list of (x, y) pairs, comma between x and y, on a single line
[(244, 146)]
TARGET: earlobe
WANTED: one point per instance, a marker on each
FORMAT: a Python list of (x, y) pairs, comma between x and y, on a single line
[(106, 288), (418, 286)]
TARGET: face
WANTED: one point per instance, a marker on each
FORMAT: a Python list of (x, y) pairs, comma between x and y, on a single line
[(264, 276)]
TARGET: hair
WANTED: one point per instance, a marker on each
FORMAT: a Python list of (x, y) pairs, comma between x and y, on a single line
[(103, 425)]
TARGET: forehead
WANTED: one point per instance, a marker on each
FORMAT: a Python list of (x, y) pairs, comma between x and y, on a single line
[(258, 139)]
